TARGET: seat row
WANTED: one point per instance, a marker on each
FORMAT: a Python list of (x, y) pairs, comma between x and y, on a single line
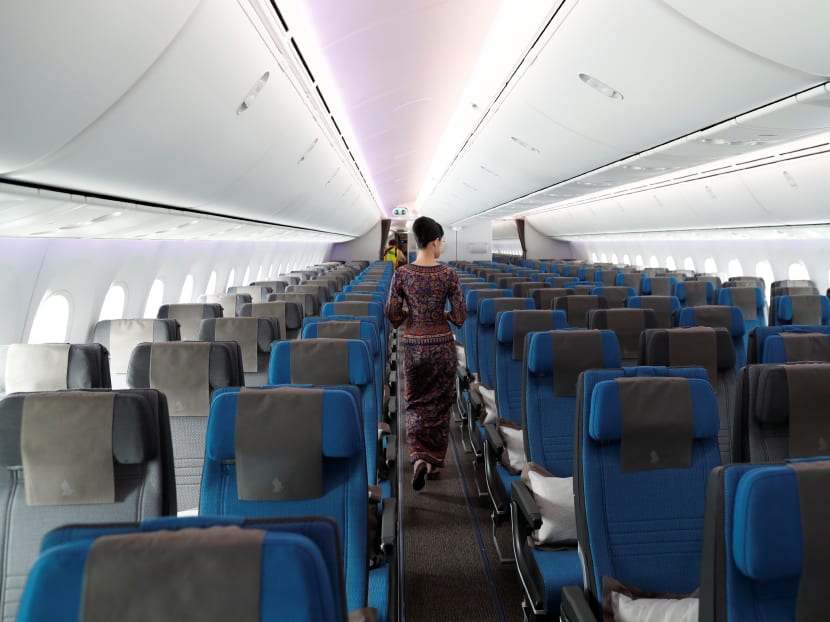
[(136, 443)]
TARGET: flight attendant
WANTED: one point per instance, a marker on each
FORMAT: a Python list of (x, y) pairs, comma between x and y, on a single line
[(417, 299)]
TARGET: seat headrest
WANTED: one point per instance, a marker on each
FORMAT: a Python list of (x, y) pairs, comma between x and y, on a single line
[(488, 309), (729, 317), (605, 423), (475, 295), (342, 327), (315, 355), (540, 349), (766, 524), (342, 426), (657, 350)]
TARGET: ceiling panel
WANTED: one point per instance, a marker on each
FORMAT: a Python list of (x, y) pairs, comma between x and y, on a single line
[(77, 58)]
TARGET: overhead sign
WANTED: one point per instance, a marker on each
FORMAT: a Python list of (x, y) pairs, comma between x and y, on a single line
[(399, 211)]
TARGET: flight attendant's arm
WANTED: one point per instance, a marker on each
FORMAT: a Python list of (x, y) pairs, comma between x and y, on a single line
[(458, 307), (394, 304)]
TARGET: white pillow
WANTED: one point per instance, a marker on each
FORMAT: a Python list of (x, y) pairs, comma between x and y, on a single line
[(491, 415), (555, 499), (628, 609), (514, 446)]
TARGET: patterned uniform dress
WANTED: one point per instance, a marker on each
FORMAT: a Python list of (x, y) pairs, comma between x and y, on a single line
[(418, 295)]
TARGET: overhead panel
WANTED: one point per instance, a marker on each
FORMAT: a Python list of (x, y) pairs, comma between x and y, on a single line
[(64, 64), (610, 81), (783, 33)]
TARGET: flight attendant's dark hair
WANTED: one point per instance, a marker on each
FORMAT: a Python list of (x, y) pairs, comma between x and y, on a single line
[(426, 230)]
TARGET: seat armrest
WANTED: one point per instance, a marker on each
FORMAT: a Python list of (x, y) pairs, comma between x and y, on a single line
[(575, 606), (493, 438), (391, 450), (528, 510), (389, 525)]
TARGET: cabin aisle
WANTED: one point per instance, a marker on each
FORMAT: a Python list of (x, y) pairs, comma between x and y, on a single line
[(451, 570)]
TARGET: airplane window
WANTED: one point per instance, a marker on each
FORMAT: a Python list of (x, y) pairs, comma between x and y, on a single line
[(594, 257), (259, 272), (734, 268), (114, 301), (230, 280), (154, 299), (604, 258), (211, 286), (614, 258), (187, 290), (626, 259), (688, 263), (51, 321), (638, 261), (247, 278), (271, 274), (670, 264), (709, 266), (798, 271), (653, 262)]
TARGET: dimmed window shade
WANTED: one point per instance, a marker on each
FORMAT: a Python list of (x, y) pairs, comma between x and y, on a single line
[(520, 229), (385, 225)]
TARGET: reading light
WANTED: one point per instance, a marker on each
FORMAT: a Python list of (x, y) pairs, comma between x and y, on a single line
[(600, 86)]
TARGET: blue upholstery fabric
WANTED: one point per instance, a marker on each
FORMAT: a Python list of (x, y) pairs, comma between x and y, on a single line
[(762, 333), (724, 297), (762, 542), (654, 515), (375, 310), (470, 325), (548, 420), (362, 375), (486, 336), (509, 372), (687, 318), (558, 569), (774, 350), (301, 577), (344, 480), (784, 310)]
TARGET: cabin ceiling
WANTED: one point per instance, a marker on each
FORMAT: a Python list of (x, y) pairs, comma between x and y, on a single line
[(317, 121)]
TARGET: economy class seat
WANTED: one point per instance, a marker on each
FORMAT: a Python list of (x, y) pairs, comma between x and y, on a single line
[(764, 543), (782, 413), (74, 457), (647, 446), (254, 336), (53, 366), (119, 337), (190, 316), (187, 373), (275, 569), (299, 451), (288, 316)]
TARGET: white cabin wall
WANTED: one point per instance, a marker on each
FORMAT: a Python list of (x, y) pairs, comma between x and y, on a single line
[(781, 254), (367, 247), (540, 246), (462, 245), (84, 270)]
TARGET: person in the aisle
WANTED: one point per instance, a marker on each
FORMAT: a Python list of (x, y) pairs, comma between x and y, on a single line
[(394, 254), (417, 300)]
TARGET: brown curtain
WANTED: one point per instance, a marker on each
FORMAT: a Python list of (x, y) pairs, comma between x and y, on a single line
[(520, 229), (385, 225)]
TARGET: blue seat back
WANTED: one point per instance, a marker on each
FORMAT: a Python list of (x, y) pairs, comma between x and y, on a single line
[(553, 364), (757, 543), (302, 574), (320, 355), (645, 511), (510, 355), (758, 338), (344, 479), (788, 347), (664, 306), (659, 285), (794, 310), (488, 311), (474, 296)]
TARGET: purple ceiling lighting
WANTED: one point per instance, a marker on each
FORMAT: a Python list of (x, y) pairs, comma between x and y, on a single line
[(400, 73)]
